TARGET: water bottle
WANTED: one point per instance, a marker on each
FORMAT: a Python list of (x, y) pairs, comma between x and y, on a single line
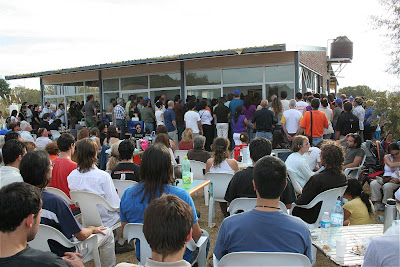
[(325, 228), (390, 213), (337, 215), (186, 176)]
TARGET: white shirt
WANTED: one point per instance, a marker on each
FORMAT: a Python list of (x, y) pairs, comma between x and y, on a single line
[(191, 118), (159, 118), (291, 118), (285, 104), (41, 142), (13, 119), (27, 136), (297, 164), (61, 113), (301, 106), (313, 157), (359, 111), (205, 117), (29, 115), (9, 175), (45, 110), (100, 183)]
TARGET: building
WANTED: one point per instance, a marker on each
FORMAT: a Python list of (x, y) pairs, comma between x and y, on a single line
[(264, 70)]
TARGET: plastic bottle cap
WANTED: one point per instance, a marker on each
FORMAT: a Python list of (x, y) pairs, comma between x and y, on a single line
[(326, 213), (185, 157)]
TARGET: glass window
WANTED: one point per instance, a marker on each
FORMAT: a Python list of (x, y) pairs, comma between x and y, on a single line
[(106, 100), (92, 86), (73, 88), (277, 88), (55, 101), (133, 83), (244, 75), (170, 94), (76, 98), (50, 89), (203, 77), (245, 90), (111, 85), (205, 93), (165, 80), (279, 73)]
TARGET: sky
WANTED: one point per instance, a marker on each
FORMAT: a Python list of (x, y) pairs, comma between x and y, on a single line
[(44, 35)]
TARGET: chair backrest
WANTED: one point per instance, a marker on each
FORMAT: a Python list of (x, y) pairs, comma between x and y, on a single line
[(296, 186), (60, 193), (328, 199), (283, 208), (55, 134), (135, 230), (264, 259), (283, 154), (180, 154), (220, 183), (198, 169), (242, 203), (88, 202), (122, 185)]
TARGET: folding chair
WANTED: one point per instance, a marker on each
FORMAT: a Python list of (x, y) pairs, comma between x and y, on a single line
[(198, 168), (347, 171), (122, 185), (262, 259), (247, 204), (64, 196), (219, 183), (88, 202), (46, 232), (180, 154), (296, 186)]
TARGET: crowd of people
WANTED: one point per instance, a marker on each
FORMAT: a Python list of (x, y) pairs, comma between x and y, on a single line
[(324, 134)]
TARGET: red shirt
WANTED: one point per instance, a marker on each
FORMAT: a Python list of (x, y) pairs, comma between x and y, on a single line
[(185, 145), (61, 169)]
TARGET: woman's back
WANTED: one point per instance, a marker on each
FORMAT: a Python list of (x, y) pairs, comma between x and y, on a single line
[(223, 167), (359, 212)]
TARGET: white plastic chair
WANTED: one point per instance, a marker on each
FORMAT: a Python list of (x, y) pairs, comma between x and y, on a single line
[(88, 202), (296, 186), (328, 199), (46, 232), (135, 230), (122, 185), (347, 171), (55, 134), (219, 183), (262, 259), (64, 196), (180, 154), (198, 169), (247, 204)]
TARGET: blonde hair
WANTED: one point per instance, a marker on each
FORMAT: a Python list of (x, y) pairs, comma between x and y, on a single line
[(187, 135), (114, 157)]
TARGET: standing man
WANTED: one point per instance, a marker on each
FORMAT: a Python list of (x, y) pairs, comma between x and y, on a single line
[(60, 113), (170, 121), (192, 120), (346, 123), (13, 151), (236, 101), (178, 109), (314, 125), (263, 120), (89, 110), (148, 116), (46, 109), (359, 111), (291, 120), (284, 101), (120, 114), (300, 105)]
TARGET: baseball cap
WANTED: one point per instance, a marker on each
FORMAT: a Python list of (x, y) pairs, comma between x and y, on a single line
[(147, 98), (339, 101), (237, 91), (351, 98)]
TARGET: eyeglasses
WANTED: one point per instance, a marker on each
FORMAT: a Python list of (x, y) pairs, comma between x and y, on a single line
[(395, 154)]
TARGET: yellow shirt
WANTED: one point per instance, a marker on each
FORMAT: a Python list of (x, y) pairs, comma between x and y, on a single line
[(359, 212)]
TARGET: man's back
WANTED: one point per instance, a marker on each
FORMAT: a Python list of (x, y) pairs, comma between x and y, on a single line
[(319, 122), (126, 171), (235, 103), (347, 123), (263, 232), (32, 258), (291, 118), (62, 167)]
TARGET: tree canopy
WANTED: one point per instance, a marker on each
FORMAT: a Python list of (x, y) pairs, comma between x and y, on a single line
[(4, 88), (359, 90)]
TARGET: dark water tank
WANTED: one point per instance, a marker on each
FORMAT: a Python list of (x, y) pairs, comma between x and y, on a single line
[(342, 47)]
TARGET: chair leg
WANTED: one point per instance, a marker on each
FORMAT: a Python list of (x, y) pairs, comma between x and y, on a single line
[(210, 212), (206, 195)]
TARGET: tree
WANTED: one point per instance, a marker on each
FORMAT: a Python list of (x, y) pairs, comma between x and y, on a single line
[(354, 91), (387, 107), (4, 88), (31, 96)]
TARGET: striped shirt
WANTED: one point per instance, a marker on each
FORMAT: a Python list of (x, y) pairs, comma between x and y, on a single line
[(119, 112)]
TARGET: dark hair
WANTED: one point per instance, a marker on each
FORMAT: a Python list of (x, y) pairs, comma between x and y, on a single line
[(89, 97), (269, 175), (162, 138), (315, 103), (259, 147), (14, 113), (299, 95), (177, 220), (111, 132), (244, 137), (348, 106), (95, 132), (238, 112), (357, 140), (86, 154), (12, 125), (18, 201), (155, 171), (102, 125), (162, 129), (40, 131), (52, 148), (158, 104), (220, 148), (46, 115), (190, 105), (247, 101), (283, 94), (65, 141), (393, 146), (12, 149), (203, 104), (34, 168), (354, 189), (276, 106), (83, 133), (277, 139), (11, 136), (126, 149), (324, 102), (332, 156)]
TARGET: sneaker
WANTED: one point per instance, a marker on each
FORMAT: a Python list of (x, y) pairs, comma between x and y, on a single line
[(379, 207), (126, 247)]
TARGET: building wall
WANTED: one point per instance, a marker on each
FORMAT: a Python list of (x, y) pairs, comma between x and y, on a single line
[(316, 61)]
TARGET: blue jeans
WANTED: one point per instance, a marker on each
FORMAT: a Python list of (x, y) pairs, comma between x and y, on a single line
[(149, 127), (267, 135), (316, 140), (181, 128)]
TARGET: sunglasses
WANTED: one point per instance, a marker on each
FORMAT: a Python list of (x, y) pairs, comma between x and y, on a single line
[(395, 154)]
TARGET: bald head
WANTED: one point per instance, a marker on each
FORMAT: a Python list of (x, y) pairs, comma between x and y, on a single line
[(170, 104), (264, 103)]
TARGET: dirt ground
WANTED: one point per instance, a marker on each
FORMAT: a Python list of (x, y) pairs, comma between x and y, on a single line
[(199, 203)]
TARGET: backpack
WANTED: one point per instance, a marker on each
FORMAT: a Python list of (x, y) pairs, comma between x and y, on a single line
[(374, 154)]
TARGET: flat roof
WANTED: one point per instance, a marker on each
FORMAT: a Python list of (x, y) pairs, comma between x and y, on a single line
[(229, 52)]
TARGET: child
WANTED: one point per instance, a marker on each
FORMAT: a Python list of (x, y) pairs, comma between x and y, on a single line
[(95, 134)]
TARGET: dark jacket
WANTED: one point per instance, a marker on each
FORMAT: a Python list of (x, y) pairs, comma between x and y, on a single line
[(318, 183)]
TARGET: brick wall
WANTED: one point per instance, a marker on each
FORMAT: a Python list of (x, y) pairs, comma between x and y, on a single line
[(316, 61)]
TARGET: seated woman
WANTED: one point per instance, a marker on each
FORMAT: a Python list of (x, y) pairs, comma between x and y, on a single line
[(164, 129), (296, 162), (390, 181), (87, 177), (198, 153), (113, 158), (332, 157), (163, 139), (278, 140), (156, 179), (53, 150), (187, 140), (221, 163), (112, 136), (95, 135), (83, 133), (359, 209)]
